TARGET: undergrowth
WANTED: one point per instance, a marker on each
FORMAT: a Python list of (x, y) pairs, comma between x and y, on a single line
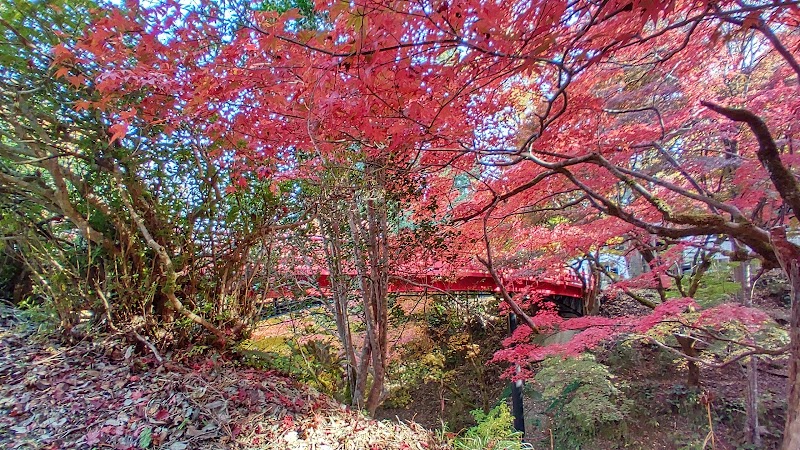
[(582, 400), (494, 430)]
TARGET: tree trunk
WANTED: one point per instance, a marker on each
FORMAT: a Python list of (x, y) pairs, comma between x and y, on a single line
[(751, 403), (751, 396), (789, 256), (791, 431), (370, 257), (687, 346), (334, 255), (742, 275)]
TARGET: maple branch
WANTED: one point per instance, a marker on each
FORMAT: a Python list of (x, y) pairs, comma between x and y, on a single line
[(433, 43), (773, 39), (444, 292), (489, 264), (640, 109), (553, 170), (627, 291), (507, 297), (531, 209), (708, 200), (782, 178), (754, 351), (700, 225), (779, 47), (674, 163)]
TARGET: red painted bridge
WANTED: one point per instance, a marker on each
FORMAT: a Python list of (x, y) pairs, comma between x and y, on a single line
[(476, 281), (466, 281), (565, 289)]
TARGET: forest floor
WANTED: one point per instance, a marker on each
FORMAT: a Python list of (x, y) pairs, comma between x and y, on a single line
[(105, 394), (108, 393), (666, 413)]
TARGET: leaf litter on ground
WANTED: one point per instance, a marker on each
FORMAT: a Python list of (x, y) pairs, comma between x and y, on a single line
[(101, 394)]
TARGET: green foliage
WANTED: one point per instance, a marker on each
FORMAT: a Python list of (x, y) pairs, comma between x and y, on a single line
[(769, 335), (37, 312), (308, 18), (689, 441), (684, 400), (270, 357), (623, 353), (582, 399), (315, 362), (67, 238), (717, 286), (455, 346), (397, 315), (494, 430), (417, 366), (455, 314), (146, 438), (730, 411), (323, 367)]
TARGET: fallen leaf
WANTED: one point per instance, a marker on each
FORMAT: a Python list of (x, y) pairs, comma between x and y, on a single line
[(146, 438), (92, 437)]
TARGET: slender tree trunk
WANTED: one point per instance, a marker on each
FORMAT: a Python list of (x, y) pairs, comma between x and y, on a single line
[(751, 395), (379, 277), (362, 372), (333, 251), (373, 276), (697, 276), (751, 403)]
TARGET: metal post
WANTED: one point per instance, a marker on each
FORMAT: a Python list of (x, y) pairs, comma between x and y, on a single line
[(516, 386)]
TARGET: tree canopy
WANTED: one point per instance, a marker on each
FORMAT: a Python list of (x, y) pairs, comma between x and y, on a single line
[(193, 141)]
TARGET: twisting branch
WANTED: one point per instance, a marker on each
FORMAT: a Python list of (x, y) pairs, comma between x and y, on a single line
[(755, 351), (783, 179), (773, 39), (169, 268), (627, 291), (489, 264)]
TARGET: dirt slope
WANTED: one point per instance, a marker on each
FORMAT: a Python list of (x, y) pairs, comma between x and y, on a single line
[(104, 394)]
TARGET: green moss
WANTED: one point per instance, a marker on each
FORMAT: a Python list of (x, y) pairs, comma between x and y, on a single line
[(583, 400), (277, 344), (716, 287), (270, 353)]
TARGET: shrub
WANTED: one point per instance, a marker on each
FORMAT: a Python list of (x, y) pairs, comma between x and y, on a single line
[(493, 430), (582, 398)]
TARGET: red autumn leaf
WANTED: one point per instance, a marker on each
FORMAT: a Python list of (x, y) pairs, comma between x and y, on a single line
[(92, 437), (61, 72), (162, 415), (117, 132)]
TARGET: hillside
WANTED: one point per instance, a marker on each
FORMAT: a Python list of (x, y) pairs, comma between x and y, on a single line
[(103, 393)]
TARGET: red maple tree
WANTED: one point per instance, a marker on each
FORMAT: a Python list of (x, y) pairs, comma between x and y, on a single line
[(610, 113)]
